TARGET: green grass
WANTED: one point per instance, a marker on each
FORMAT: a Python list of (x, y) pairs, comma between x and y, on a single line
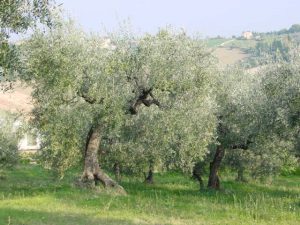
[(242, 44), (31, 195), (214, 42)]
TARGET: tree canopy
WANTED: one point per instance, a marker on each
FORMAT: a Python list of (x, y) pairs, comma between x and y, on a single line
[(149, 97), (17, 16)]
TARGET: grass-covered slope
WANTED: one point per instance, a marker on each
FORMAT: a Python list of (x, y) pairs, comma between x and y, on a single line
[(30, 195)]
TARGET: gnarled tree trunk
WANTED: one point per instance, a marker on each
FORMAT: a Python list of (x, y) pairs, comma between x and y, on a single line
[(117, 171), (149, 177), (240, 175), (197, 174), (214, 180), (92, 173)]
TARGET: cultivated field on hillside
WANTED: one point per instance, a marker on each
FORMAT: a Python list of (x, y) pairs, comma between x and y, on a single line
[(227, 56)]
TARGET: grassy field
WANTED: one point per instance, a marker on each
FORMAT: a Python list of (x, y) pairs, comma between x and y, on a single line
[(242, 44), (31, 195), (214, 42), (230, 43)]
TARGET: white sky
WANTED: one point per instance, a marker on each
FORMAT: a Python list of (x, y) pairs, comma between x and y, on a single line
[(210, 17)]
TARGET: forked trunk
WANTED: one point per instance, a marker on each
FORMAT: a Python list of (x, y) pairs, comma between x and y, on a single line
[(92, 172), (149, 177), (214, 180)]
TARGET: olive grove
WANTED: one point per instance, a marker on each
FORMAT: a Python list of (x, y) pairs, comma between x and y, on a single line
[(140, 103)]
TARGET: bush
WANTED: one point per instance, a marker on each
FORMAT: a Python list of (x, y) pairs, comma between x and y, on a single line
[(8, 143)]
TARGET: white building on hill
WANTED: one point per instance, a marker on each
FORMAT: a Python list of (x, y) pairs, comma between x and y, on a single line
[(247, 35)]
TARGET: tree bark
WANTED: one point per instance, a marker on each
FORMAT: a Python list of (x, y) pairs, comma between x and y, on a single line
[(92, 173), (117, 171), (214, 180), (197, 174), (240, 175), (149, 178)]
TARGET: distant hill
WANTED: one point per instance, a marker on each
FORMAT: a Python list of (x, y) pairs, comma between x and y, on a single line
[(255, 50), (16, 100)]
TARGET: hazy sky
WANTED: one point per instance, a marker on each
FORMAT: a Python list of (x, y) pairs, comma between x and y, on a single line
[(208, 17)]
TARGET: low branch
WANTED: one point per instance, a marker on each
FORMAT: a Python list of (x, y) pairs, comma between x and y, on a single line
[(88, 99)]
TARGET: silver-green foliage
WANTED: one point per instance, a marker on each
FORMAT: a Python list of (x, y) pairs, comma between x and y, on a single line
[(267, 118), (18, 16), (281, 82), (79, 80), (8, 142)]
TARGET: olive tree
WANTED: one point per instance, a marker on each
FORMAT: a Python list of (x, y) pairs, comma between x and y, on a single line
[(240, 101), (170, 138), (257, 121), (281, 86), (86, 92)]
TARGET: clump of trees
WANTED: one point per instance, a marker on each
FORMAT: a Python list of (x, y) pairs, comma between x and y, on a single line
[(149, 102), (252, 126), (276, 51), (295, 28)]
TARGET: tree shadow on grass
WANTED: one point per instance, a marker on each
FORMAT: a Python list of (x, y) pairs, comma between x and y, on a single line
[(228, 195), (228, 188), (273, 191), (33, 217), (29, 180)]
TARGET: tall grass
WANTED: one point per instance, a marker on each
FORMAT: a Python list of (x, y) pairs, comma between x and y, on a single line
[(31, 195)]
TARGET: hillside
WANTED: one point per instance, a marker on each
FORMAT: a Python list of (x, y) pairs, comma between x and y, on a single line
[(227, 56), (253, 51), (16, 100)]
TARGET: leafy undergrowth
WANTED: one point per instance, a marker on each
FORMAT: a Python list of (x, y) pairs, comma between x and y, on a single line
[(31, 195)]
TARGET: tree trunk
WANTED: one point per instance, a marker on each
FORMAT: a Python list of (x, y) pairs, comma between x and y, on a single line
[(214, 180), (149, 178), (117, 171), (197, 174), (92, 172), (240, 175)]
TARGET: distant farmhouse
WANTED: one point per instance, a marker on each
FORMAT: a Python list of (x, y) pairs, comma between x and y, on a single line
[(247, 35)]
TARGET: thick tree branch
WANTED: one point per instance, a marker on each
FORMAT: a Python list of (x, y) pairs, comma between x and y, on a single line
[(88, 99), (143, 99)]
